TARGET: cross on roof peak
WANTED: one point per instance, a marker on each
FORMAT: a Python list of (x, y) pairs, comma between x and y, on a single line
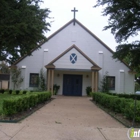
[(74, 11)]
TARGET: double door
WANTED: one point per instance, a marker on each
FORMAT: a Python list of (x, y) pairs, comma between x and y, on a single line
[(72, 85)]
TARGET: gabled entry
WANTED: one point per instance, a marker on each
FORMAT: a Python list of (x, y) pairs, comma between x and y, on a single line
[(72, 85), (72, 59)]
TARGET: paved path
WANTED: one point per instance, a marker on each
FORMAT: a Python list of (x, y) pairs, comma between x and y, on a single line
[(66, 118)]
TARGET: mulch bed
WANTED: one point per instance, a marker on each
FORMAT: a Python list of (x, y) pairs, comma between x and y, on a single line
[(22, 115), (119, 117)]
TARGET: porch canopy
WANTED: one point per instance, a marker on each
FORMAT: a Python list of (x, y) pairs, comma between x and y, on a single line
[(72, 59)]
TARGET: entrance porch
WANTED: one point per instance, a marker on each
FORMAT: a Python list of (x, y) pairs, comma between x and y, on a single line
[(72, 82)]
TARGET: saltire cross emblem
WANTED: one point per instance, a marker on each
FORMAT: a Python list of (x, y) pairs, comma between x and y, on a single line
[(73, 58)]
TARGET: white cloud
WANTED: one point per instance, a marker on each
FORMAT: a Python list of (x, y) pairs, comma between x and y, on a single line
[(90, 17)]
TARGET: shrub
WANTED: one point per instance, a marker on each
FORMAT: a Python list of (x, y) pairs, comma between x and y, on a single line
[(88, 90), (56, 88), (10, 91), (19, 104), (24, 92), (6, 91), (129, 111), (2, 91), (17, 92), (132, 96), (13, 92), (118, 104)]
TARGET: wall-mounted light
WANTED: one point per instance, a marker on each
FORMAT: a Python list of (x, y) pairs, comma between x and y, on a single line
[(58, 75), (87, 76)]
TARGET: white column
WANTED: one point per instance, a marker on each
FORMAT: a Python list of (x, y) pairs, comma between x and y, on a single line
[(52, 80), (96, 81), (45, 57), (48, 83), (92, 81), (23, 74), (121, 81), (101, 62)]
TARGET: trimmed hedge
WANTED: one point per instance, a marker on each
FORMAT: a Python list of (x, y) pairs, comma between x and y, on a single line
[(131, 96), (15, 105), (119, 105)]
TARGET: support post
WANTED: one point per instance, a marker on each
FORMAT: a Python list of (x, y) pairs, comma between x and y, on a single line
[(96, 81), (92, 81), (48, 79), (52, 80)]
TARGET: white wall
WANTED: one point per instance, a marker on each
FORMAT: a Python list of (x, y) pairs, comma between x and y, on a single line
[(86, 43), (85, 81), (81, 63)]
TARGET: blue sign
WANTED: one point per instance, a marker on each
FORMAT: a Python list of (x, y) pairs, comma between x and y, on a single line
[(73, 58)]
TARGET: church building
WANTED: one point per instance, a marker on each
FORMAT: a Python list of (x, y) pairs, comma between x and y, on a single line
[(74, 58)]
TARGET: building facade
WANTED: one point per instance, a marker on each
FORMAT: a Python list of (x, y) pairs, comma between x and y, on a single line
[(74, 58)]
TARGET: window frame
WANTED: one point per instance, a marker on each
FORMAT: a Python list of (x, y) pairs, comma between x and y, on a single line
[(111, 86), (34, 84)]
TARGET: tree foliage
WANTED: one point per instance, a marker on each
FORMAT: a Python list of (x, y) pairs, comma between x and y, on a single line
[(4, 68), (124, 21), (42, 80), (104, 84), (16, 77), (22, 27)]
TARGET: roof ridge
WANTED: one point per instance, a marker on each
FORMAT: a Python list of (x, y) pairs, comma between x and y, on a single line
[(64, 26)]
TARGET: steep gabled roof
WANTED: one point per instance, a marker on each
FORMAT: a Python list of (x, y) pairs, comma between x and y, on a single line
[(71, 21), (94, 67), (20, 59), (93, 35)]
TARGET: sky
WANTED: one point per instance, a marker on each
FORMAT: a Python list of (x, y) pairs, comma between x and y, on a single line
[(90, 17)]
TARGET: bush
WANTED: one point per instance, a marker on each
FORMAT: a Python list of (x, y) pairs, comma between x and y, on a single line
[(2, 91), (24, 92), (88, 90), (129, 111), (19, 104), (118, 104), (10, 91), (17, 92), (14, 92), (55, 89)]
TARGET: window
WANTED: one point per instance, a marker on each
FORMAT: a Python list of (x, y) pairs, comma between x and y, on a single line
[(111, 82), (34, 79)]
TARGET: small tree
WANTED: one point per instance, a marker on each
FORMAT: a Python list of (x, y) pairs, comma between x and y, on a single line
[(16, 77), (4, 68), (42, 80), (104, 84)]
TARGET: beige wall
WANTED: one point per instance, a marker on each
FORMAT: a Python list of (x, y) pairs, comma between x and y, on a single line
[(4, 84)]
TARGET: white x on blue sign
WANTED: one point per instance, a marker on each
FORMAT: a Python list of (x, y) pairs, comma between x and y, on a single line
[(73, 58)]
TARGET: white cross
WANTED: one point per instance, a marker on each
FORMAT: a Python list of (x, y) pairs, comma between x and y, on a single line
[(73, 58)]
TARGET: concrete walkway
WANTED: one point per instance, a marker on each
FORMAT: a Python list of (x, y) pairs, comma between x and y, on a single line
[(66, 118)]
